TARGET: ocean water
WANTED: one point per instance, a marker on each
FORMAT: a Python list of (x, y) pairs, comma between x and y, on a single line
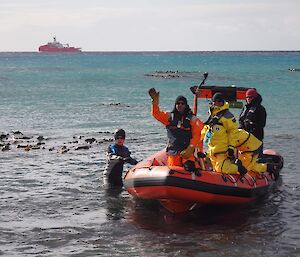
[(51, 196)]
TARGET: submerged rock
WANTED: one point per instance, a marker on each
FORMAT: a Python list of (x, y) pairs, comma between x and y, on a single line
[(114, 104), (165, 74), (90, 140), (294, 69), (3, 136), (82, 147), (36, 147), (169, 74), (41, 138), (22, 146), (18, 141), (17, 132), (105, 132), (5, 148)]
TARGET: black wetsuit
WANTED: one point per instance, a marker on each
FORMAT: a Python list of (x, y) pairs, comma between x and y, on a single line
[(117, 156)]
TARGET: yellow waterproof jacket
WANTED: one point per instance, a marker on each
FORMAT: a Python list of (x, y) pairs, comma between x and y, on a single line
[(224, 133), (247, 142)]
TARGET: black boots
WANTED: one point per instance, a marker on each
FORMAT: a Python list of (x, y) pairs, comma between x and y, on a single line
[(273, 169), (189, 166)]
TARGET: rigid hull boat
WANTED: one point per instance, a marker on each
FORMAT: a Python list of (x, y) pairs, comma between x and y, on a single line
[(56, 46), (179, 190)]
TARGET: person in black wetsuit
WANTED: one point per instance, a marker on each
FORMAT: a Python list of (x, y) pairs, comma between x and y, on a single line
[(253, 116), (117, 154)]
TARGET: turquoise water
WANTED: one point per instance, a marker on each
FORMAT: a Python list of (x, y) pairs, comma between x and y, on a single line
[(52, 201)]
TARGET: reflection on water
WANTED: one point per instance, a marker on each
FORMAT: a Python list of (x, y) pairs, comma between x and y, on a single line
[(150, 215), (114, 203), (213, 230)]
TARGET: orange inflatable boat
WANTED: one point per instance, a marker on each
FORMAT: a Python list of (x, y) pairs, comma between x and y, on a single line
[(179, 190)]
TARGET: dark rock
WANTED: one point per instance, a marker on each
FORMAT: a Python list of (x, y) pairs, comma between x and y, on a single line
[(5, 148), (40, 138), (25, 138), (82, 147), (22, 146), (17, 133), (294, 69), (90, 140), (3, 136), (65, 150)]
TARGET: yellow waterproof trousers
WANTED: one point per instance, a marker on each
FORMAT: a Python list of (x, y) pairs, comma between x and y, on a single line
[(249, 160), (222, 164)]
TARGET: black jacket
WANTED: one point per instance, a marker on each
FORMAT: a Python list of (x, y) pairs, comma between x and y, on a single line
[(253, 118)]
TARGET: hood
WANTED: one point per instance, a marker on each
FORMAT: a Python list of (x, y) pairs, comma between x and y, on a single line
[(256, 101)]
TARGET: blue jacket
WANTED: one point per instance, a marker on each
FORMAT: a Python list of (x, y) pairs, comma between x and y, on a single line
[(122, 151)]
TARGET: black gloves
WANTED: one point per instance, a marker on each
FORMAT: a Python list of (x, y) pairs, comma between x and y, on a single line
[(213, 121), (130, 160), (201, 155), (249, 124), (189, 166), (241, 169), (154, 95)]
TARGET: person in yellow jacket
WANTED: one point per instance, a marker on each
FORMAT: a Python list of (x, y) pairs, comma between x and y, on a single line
[(248, 150), (183, 131), (220, 134), (248, 147)]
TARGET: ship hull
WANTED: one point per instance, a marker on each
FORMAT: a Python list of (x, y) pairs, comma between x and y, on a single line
[(59, 50)]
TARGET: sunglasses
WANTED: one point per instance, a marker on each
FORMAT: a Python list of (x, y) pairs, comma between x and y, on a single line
[(180, 103)]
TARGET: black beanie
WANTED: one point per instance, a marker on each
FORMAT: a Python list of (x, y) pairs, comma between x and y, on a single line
[(218, 97), (119, 133), (181, 99)]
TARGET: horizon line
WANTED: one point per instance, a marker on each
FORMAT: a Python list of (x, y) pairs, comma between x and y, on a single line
[(151, 51)]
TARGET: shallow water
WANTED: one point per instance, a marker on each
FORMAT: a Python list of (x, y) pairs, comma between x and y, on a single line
[(52, 200)]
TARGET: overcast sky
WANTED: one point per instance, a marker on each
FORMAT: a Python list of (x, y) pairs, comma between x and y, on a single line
[(151, 25)]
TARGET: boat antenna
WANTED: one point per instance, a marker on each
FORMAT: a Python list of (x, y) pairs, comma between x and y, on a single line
[(205, 75)]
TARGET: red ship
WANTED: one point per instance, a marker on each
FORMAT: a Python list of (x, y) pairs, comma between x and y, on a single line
[(56, 46)]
